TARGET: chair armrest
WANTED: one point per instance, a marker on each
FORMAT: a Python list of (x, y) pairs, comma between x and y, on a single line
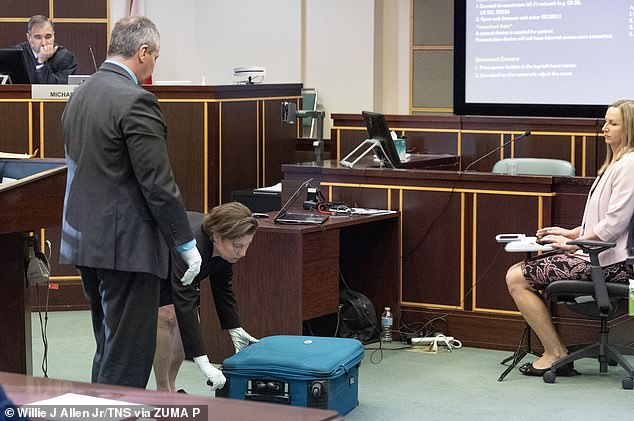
[(592, 244), (594, 248)]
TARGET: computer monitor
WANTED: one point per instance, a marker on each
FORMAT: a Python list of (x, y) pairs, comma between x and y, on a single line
[(379, 130), (13, 64)]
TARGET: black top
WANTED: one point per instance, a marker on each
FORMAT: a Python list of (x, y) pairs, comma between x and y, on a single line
[(55, 71), (186, 298)]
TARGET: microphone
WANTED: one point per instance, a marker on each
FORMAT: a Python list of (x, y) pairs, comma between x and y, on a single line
[(525, 134), (94, 62)]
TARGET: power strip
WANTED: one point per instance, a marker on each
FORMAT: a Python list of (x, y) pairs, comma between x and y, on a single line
[(440, 340)]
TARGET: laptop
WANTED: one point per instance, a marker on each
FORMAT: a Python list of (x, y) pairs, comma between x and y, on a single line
[(286, 217), (77, 79)]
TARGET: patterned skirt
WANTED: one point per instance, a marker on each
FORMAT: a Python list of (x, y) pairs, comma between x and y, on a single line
[(539, 271)]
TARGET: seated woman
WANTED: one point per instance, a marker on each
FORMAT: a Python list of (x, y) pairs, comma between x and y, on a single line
[(606, 217)]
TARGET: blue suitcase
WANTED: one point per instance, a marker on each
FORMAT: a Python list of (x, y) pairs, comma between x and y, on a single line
[(309, 371)]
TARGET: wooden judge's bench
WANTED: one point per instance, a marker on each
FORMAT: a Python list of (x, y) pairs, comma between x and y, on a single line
[(220, 138)]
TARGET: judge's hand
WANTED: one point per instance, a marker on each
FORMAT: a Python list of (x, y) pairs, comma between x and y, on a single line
[(193, 260), (215, 378), (46, 52), (241, 339)]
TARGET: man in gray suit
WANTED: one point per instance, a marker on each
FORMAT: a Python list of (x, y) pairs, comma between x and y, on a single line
[(122, 209)]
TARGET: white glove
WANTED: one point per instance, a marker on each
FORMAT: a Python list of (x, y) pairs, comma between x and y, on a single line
[(241, 339), (214, 375), (193, 260)]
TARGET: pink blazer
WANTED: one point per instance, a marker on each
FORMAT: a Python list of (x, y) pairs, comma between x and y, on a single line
[(609, 208)]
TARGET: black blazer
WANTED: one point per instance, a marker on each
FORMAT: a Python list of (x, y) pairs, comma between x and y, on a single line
[(186, 298), (55, 70), (122, 208)]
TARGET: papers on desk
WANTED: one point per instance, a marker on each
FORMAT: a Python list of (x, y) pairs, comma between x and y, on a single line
[(368, 211), (9, 155), (277, 188), (7, 180), (172, 82), (75, 406)]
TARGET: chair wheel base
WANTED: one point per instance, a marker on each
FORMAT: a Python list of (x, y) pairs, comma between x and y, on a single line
[(628, 383), (549, 377)]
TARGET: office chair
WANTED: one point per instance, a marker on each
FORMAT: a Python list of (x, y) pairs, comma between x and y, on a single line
[(596, 299), (309, 103), (536, 166), (530, 166)]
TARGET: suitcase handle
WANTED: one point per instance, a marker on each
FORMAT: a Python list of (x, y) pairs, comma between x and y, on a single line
[(268, 390), (267, 398)]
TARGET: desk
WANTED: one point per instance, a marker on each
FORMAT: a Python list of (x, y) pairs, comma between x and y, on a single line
[(33, 201), (291, 274), (23, 389), (429, 161), (423, 161)]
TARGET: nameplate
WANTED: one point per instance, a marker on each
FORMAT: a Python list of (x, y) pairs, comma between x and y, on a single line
[(62, 92)]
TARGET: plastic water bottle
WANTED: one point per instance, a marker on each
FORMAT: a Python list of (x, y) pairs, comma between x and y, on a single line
[(386, 325)]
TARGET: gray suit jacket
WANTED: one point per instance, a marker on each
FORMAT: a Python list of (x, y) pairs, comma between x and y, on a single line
[(122, 207)]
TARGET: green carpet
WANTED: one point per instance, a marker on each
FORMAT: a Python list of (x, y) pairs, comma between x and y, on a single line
[(404, 384)]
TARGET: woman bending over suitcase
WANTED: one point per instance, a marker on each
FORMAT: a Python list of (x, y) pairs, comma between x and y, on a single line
[(223, 237)]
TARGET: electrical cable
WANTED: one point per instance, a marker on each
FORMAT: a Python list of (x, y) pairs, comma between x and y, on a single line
[(433, 222), (43, 327), (374, 324), (330, 209), (453, 188), (44, 324), (338, 321), (442, 317)]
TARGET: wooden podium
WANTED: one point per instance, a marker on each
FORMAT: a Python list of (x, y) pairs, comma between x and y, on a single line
[(32, 202)]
